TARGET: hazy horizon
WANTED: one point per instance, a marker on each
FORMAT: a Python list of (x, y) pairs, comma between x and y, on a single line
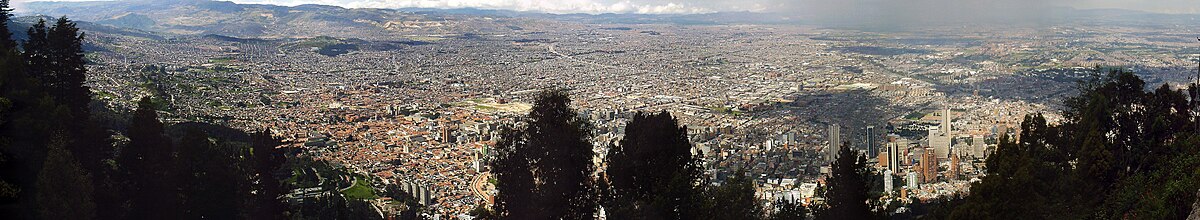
[(895, 8)]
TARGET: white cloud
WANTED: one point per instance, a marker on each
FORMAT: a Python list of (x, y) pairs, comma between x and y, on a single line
[(550, 6), (705, 6)]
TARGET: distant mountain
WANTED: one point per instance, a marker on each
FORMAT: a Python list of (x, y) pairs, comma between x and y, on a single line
[(200, 17)]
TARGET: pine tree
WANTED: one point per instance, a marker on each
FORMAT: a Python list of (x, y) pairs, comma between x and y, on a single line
[(732, 200), (514, 179), (553, 146), (209, 178), (788, 210), (846, 196), (268, 203), (652, 172), (64, 188), (147, 160), (37, 53), (68, 68), (6, 41)]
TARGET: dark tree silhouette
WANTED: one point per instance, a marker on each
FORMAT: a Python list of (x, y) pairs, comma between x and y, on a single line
[(846, 196), (147, 160), (1121, 152), (209, 178), (732, 200), (788, 210), (268, 158), (67, 68), (552, 153), (652, 173), (6, 41), (64, 188)]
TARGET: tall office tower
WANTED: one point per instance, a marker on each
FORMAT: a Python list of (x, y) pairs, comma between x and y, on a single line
[(893, 156), (978, 147), (929, 166), (953, 167), (835, 143), (939, 141), (870, 141), (946, 121), (912, 179), (887, 181)]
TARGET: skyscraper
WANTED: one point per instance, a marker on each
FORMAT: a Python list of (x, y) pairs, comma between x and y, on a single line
[(870, 141), (929, 166), (946, 121), (893, 156), (978, 147), (887, 181), (835, 142)]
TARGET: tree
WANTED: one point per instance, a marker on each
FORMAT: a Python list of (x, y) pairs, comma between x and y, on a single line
[(147, 160), (788, 210), (732, 200), (268, 202), (6, 41), (846, 196), (1120, 153), (514, 178), (652, 172), (210, 180), (64, 188), (67, 68), (545, 165)]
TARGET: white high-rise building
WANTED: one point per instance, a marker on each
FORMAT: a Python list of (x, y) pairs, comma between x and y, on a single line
[(835, 142), (893, 156), (939, 141), (978, 147), (912, 180), (887, 181)]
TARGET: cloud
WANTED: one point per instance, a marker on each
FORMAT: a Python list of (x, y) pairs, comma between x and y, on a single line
[(550, 6), (705, 6), (902, 8)]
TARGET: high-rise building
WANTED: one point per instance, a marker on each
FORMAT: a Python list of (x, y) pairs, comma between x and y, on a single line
[(946, 121), (939, 141), (978, 147), (929, 166), (835, 142), (893, 156), (912, 179), (869, 141), (953, 175), (887, 181)]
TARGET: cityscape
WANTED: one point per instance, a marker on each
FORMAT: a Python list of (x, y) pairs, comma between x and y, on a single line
[(410, 109)]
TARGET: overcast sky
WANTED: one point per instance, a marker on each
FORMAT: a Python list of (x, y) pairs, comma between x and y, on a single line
[(702, 6), (898, 7)]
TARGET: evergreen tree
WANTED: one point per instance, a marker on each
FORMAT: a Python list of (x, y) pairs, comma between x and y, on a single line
[(732, 200), (788, 210), (552, 148), (1120, 153), (268, 202), (846, 196), (147, 160), (514, 179), (652, 173), (64, 188), (37, 53), (209, 177), (67, 68), (6, 41)]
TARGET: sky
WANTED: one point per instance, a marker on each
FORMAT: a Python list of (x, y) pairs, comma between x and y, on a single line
[(901, 8), (705, 6)]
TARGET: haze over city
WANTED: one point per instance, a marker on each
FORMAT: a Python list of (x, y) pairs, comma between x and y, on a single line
[(600, 109)]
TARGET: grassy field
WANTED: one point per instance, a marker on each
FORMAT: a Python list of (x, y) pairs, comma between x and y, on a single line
[(360, 190)]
